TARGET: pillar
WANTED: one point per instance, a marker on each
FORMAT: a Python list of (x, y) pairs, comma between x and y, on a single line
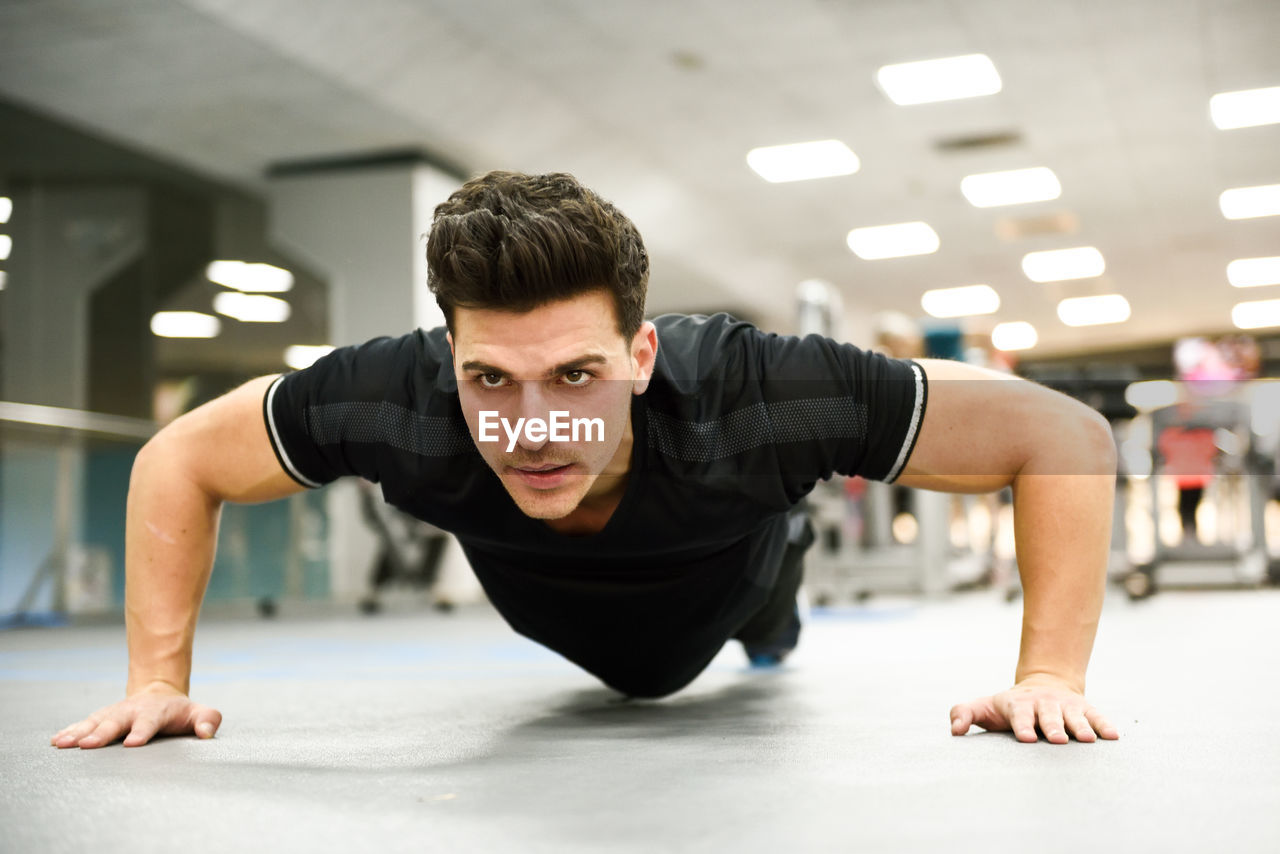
[(363, 224)]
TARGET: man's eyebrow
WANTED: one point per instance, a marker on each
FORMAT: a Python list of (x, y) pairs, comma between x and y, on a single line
[(577, 364), (482, 368)]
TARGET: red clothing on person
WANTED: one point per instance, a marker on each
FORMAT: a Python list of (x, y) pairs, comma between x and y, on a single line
[(1188, 455)]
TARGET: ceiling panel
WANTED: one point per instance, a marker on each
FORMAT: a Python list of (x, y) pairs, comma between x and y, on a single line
[(656, 104)]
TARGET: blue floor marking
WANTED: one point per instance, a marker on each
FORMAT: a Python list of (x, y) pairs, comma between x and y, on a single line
[(863, 614)]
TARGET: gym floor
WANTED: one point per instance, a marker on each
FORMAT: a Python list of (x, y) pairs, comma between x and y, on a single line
[(421, 731)]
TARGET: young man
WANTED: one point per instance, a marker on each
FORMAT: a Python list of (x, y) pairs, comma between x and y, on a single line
[(623, 489)]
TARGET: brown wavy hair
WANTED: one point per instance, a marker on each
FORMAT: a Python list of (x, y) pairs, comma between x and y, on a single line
[(512, 241)]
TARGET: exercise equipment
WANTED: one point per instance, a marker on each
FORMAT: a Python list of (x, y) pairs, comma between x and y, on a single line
[(1209, 446), (409, 551)]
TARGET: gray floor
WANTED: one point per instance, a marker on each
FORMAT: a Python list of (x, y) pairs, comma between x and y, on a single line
[(428, 732)]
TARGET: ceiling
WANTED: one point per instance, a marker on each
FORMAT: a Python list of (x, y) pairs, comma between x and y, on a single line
[(655, 105)]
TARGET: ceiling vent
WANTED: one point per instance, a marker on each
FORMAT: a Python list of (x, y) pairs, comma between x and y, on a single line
[(1010, 228), (978, 141)]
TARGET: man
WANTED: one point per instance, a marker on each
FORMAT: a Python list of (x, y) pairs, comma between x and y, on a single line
[(622, 488)]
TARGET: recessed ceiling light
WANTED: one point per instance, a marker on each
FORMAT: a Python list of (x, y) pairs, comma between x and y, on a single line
[(1016, 335), (1057, 265), (1256, 315), (6, 246), (893, 241), (255, 278), (939, 79), (301, 356), (184, 324), (1249, 202), (6, 208), (4, 278), (966, 301), (1252, 272), (1246, 108), (801, 161), (251, 309), (1014, 187), (1094, 311)]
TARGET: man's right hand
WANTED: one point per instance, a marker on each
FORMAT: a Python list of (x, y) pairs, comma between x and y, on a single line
[(157, 708)]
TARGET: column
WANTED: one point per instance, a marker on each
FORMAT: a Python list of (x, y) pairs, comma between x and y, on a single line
[(363, 224)]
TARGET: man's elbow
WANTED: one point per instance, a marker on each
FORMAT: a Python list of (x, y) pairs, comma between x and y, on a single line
[(1090, 434)]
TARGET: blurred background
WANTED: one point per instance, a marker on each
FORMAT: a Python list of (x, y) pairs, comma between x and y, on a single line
[(1087, 193)]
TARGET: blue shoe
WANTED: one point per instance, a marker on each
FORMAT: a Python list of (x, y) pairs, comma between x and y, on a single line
[(772, 654)]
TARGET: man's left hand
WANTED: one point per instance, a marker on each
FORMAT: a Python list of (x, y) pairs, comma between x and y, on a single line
[(1050, 704)]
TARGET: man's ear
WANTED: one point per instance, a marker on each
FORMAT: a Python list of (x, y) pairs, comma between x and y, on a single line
[(448, 336), (644, 352)]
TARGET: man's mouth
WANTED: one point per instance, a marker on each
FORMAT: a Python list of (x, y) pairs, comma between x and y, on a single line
[(543, 475)]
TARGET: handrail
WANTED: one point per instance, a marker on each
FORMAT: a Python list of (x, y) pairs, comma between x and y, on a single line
[(118, 426)]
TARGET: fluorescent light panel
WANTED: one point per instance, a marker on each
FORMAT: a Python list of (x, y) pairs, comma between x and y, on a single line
[(967, 301), (301, 356), (1015, 335), (802, 161), (1253, 272), (6, 208), (184, 324), (256, 278), (4, 279), (1256, 315), (1058, 265), (251, 309), (893, 241), (1014, 187), (1152, 394), (939, 79), (1250, 202), (6, 246), (1094, 311), (1246, 108)]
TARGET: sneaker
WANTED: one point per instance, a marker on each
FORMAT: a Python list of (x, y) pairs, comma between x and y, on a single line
[(773, 653)]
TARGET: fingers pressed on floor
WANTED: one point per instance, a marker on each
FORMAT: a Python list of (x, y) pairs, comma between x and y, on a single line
[(144, 729), (71, 736), (1078, 725), (105, 733), (1101, 725), (1049, 715), (1023, 721)]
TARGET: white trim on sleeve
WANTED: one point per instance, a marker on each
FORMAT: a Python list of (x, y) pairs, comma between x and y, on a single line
[(278, 445), (915, 425)]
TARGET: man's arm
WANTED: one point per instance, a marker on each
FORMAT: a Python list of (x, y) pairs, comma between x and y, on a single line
[(218, 452), (982, 431)]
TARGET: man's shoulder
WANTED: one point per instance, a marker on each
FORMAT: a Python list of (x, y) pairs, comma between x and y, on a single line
[(694, 347), (682, 328), (405, 369), (422, 352)]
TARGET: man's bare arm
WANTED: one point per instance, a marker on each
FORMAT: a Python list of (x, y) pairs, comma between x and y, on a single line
[(216, 453), (983, 431)]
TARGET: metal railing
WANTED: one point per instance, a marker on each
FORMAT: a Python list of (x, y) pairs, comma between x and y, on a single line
[(72, 429), (64, 477)]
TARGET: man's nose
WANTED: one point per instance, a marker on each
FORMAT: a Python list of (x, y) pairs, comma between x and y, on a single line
[(533, 404)]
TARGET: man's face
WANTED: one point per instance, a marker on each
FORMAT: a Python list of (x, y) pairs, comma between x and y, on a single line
[(564, 356)]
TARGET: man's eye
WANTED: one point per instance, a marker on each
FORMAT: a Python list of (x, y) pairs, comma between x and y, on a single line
[(577, 377), (491, 380)]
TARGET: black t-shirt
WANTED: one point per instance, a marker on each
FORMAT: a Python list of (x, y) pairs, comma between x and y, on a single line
[(735, 428)]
